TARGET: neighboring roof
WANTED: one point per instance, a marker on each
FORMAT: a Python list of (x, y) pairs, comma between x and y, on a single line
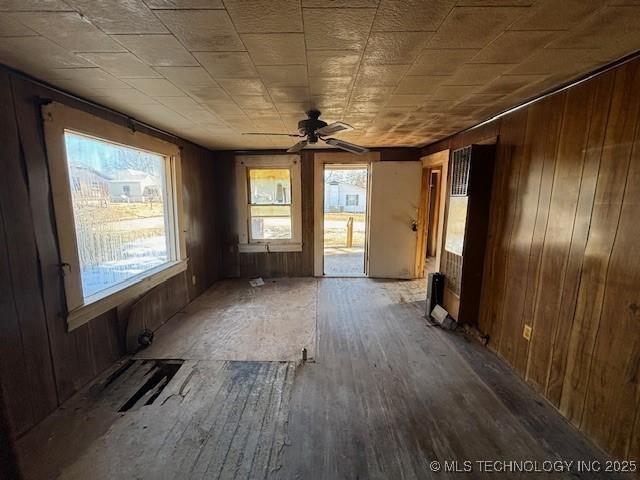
[(90, 170)]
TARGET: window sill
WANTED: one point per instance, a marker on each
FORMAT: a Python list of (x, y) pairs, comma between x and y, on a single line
[(269, 247), (104, 301)]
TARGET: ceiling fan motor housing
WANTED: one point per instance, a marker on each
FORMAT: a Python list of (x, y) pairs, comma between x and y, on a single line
[(309, 126)]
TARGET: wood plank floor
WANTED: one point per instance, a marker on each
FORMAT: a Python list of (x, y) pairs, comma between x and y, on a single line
[(385, 396), (234, 321)]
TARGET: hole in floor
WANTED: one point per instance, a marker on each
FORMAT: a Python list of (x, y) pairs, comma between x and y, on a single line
[(161, 373)]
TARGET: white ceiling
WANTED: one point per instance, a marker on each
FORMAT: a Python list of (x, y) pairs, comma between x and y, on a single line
[(402, 72)]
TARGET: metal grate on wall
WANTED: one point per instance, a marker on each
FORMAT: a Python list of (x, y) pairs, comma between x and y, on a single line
[(460, 172), (452, 269)]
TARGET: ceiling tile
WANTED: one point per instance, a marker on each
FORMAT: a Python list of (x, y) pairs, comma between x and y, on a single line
[(158, 50), (482, 99), (179, 4), (227, 64), (32, 5), (394, 47), (554, 15), (332, 63), (452, 92), (124, 96), (93, 77), (37, 54), (367, 94), (276, 48), (284, 75), (554, 61), (208, 95), (187, 76), (289, 94), (406, 100), (421, 84), (122, 65), (609, 26), (380, 75), (130, 16), (292, 108), (258, 16), (10, 26), (156, 87), (441, 62), (345, 28), (203, 30), (243, 86), (330, 85), (507, 84), (411, 15), (70, 31), (474, 27), (340, 3), (255, 102), (513, 46), (477, 74)]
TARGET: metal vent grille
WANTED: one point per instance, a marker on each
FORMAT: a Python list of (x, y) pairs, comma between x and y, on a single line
[(452, 269), (460, 172)]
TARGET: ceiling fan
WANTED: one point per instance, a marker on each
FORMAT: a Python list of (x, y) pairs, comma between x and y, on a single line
[(313, 129)]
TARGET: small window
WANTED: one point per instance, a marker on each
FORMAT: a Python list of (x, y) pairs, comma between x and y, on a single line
[(269, 186), (270, 203), (352, 200), (117, 205)]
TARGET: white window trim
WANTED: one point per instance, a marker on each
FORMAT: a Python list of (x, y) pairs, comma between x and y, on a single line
[(247, 245), (58, 118)]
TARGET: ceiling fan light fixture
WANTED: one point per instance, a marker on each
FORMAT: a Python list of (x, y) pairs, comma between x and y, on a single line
[(334, 128)]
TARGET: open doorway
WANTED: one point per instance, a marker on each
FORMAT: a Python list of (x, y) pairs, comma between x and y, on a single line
[(345, 219), (433, 219)]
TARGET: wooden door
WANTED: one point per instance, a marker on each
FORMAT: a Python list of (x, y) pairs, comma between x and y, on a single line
[(393, 209)]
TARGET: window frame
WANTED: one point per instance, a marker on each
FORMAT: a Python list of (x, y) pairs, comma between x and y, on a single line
[(58, 119), (247, 244)]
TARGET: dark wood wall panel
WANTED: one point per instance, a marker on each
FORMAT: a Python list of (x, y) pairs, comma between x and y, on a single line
[(41, 364), (564, 251)]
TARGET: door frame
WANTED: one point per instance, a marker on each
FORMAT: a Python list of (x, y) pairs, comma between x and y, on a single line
[(433, 162), (320, 159)]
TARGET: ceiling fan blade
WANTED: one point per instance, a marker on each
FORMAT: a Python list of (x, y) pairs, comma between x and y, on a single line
[(333, 128), (285, 134), (297, 147), (349, 147)]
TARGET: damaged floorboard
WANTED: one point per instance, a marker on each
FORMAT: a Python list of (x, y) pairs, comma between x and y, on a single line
[(386, 395)]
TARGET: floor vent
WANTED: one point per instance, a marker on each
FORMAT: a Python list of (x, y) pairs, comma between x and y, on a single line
[(158, 377)]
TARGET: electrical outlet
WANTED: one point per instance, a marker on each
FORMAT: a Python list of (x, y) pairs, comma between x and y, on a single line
[(193, 279), (526, 333)]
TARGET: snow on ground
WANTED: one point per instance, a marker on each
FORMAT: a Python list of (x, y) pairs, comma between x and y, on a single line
[(137, 257)]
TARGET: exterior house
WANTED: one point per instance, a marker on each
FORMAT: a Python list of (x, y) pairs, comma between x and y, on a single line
[(344, 197), (134, 186), (88, 185)]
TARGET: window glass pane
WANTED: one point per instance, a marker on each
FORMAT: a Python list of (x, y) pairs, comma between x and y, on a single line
[(270, 186), (119, 211), (270, 222)]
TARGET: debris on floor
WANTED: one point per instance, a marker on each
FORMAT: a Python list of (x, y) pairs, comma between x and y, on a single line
[(256, 282)]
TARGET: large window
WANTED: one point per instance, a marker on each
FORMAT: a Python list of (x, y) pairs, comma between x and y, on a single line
[(121, 228), (117, 205), (269, 186)]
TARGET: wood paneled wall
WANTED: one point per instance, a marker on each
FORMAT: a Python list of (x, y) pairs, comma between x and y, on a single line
[(564, 251), (41, 364)]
